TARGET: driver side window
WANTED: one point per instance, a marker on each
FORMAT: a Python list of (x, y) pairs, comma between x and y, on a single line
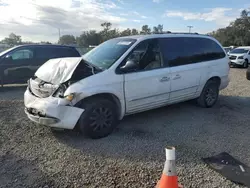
[(146, 55)]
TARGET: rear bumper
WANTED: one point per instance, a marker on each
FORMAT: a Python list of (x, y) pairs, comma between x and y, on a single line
[(53, 112)]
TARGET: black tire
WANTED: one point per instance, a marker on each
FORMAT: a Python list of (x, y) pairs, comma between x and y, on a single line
[(209, 94), (99, 118), (245, 64)]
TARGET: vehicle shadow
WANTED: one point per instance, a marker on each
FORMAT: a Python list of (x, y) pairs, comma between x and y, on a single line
[(195, 132)]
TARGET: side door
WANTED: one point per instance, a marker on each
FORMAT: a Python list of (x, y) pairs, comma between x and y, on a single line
[(148, 86), (16, 65), (181, 53)]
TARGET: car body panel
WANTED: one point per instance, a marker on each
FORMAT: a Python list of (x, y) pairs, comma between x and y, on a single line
[(140, 91), (59, 70), (52, 108)]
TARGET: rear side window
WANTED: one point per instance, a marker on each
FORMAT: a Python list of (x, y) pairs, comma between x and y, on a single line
[(68, 52), (45, 52), (187, 50)]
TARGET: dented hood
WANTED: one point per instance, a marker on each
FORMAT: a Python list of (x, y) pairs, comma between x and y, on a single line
[(57, 71)]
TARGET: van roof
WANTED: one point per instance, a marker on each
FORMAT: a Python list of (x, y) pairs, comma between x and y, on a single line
[(244, 47), (150, 36)]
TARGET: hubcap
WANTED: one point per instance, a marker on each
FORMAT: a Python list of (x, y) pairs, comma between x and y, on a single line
[(210, 96), (101, 118)]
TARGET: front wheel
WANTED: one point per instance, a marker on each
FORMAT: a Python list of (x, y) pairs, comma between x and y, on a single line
[(99, 118), (209, 94), (245, 64)]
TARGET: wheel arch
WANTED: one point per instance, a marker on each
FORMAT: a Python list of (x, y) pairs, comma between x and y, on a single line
[(110, 96), (216, 79)]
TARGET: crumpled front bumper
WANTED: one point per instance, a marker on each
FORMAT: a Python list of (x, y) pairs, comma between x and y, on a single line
[(53, 112)]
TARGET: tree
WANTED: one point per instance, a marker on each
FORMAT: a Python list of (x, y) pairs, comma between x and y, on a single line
[(88, 38), (134, 32), (237, 33), (12, 40), (106, 26), (158, 29), (67, 39), (107, 33), (45, 42), (145, 30), (126, 32)]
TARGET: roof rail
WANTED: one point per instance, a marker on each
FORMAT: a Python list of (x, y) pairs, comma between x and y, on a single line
[(169, 32), (185, 33)]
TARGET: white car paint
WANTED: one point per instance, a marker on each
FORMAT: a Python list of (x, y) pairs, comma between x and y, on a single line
[(133, 92), (67, 116), (245, 56)]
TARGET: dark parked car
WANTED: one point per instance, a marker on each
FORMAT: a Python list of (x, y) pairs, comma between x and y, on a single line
[(20, 63)]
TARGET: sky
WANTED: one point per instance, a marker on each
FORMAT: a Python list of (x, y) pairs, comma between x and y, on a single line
[(41, 20)]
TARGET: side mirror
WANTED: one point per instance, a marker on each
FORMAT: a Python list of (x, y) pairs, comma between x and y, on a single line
[(8, 58), (129, 66)]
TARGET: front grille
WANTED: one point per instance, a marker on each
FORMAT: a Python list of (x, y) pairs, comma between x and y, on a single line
[(232, 57), (41, 90)]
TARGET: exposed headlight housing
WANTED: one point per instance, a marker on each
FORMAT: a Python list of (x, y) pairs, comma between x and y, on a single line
[(60, 91), (241, 57)]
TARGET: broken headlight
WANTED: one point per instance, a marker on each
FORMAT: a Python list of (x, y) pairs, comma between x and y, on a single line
[(60, 91)]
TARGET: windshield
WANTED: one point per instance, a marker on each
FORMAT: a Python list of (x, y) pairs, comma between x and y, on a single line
[(106, 54), (239, 51)]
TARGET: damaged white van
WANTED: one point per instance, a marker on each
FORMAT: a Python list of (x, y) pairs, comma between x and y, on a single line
[(123, 76)]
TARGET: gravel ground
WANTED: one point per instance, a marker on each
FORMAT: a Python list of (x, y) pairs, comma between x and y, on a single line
[(133, 156)]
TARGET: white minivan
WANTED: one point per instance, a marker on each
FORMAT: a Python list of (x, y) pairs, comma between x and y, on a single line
[(124, 76)]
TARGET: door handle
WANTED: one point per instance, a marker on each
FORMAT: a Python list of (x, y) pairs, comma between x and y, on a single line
[(164, 79), (177, 76)]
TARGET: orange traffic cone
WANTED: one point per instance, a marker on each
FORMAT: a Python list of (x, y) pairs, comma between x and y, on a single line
[(169, 177)]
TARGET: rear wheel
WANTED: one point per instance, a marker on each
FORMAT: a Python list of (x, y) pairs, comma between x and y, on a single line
[(209, 94), (99, 118)]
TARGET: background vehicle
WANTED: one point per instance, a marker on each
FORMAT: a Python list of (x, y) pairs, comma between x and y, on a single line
[(227, 49), (240, 56), (20, 63), (124, 76)]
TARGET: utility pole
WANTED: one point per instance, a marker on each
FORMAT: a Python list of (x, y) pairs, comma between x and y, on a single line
[(59, 33), (190, 27)]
